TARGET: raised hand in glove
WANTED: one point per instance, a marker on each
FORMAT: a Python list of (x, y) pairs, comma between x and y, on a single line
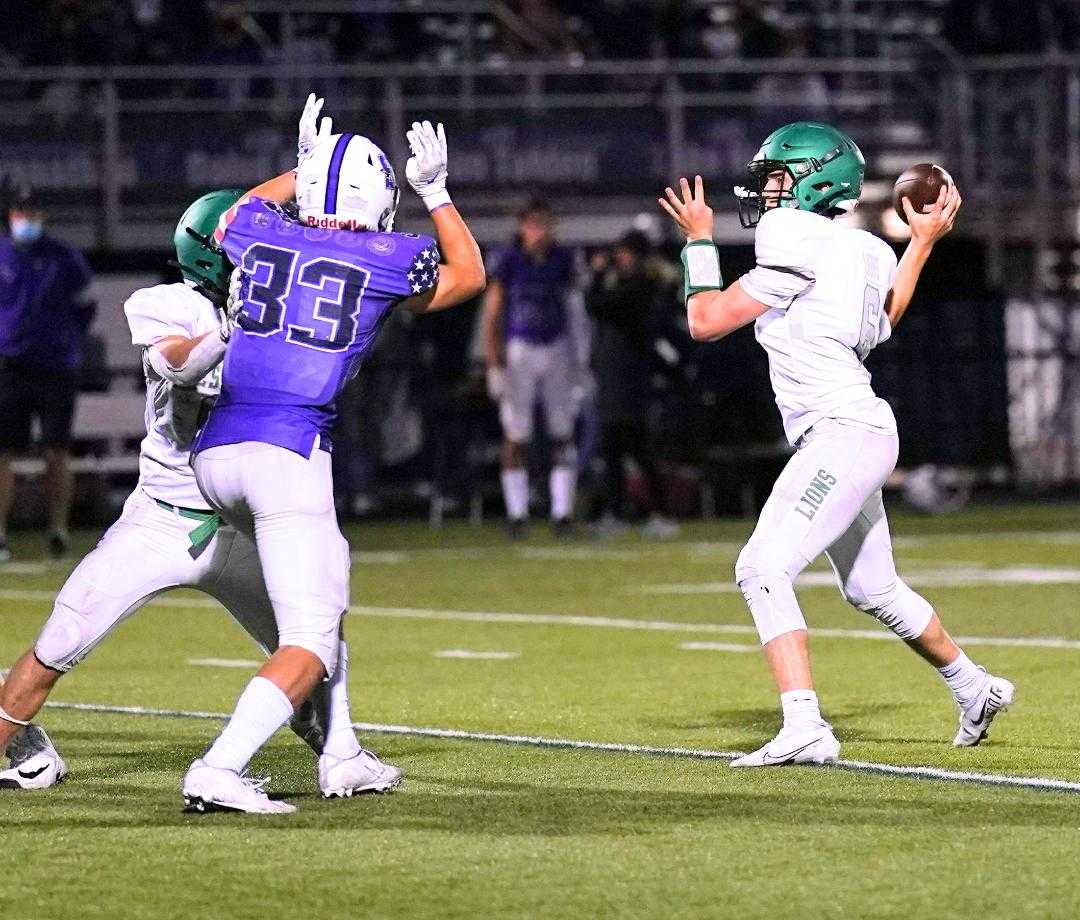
[(426, 169), (311, 131)]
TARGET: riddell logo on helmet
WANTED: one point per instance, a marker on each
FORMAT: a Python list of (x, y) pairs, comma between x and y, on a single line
[(332, 223)]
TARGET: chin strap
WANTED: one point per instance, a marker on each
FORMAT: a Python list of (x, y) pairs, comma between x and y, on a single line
[(10, 718)]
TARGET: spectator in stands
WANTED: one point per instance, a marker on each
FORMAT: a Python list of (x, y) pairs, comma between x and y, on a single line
[(625, 299), (43, 322), (530, 356)]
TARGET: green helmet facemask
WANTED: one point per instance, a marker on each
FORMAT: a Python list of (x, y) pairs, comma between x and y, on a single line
[(825, 165), (198, 257)]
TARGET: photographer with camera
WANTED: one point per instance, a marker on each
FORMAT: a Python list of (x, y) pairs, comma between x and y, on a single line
[(625, 299)]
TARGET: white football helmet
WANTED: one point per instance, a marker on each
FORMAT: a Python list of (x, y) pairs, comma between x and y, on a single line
[(347, 182)]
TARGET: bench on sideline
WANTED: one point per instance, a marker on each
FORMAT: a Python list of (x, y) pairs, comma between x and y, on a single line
[(112, 418)]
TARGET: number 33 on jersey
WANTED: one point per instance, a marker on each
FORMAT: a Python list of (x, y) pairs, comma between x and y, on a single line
[(313, 301)]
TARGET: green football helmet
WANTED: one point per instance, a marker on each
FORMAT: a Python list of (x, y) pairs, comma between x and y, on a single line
[(198, 257), (825, 165)]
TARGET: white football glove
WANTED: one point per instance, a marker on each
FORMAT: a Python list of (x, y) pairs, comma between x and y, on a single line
[(311, 131), (426, 169), (496, 382)]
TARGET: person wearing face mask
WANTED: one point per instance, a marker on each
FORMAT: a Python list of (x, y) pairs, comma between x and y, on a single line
[(43, 323)]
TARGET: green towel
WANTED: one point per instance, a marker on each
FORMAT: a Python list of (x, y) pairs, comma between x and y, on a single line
[(200, 536)]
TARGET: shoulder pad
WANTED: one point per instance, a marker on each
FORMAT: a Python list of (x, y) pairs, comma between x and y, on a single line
[(785, 239)]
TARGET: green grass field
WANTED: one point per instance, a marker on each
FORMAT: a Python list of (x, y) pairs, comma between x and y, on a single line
[(493, 829)]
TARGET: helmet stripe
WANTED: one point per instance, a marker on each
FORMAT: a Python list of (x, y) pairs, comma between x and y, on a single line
[(332, 176)]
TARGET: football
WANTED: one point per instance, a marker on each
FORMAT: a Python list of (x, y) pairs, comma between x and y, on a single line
[(921, 183)]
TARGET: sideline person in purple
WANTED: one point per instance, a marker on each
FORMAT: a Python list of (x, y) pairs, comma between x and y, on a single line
[(530, 357), (43, 323)]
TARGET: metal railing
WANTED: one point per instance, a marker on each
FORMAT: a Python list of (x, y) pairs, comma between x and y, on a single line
[(1009, 128)]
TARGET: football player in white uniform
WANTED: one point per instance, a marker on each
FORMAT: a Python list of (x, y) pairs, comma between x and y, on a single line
[(823, 294), (168, 536)]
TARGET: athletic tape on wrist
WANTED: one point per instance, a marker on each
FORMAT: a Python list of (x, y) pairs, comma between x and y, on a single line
[(10, 718), (436, 200), (701, 268)]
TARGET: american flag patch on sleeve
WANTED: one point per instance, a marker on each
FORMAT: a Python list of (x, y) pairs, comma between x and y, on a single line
[(423, 274)]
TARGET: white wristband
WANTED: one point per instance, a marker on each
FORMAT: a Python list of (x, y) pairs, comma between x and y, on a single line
[(437, 199), (703, 266)]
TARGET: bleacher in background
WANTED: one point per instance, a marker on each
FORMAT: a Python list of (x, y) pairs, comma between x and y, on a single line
[(585, 105)]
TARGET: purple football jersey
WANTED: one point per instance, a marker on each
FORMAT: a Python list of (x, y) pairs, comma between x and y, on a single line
[(43, 320), (536, 292), (313, 302)]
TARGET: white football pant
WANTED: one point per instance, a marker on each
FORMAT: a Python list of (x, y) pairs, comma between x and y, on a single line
[(828, 499), (285, 502), (544, 371), (143, 554)]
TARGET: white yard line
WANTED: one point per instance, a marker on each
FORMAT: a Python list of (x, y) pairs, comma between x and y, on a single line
[(572, 553), (225, 663), (860, 766), (24, 568), (456, 552), (479, 656), (588, 621), (718, 647), (380, 557), (1053, 537), (570, 619), (696, 550), (711, 548), (954, 577)]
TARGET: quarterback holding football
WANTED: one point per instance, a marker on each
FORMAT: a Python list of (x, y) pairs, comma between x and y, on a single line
[(822, 295)]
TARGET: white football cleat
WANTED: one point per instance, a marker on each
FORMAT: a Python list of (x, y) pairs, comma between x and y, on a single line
[(35, 764), (214, 789), (39, 771), (29, 741), (803, 744), (340, 778), (997, 696)]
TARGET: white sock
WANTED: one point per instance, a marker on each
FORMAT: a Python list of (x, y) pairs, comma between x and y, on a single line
[(340, 738), (800, 707), (964, 678), (515, 486), (562, 482), (261, 710)]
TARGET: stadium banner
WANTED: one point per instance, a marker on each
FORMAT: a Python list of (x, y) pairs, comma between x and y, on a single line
[(630, 152)]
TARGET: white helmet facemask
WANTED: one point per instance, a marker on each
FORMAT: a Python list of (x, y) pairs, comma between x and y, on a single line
[(348, 183)]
